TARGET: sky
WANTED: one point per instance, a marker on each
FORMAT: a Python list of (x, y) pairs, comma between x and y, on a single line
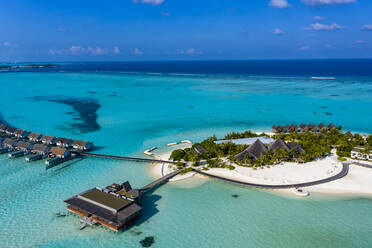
[(120, 30)]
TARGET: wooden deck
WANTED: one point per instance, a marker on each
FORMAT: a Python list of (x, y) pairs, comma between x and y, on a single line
[(123, 157), (158, 182)]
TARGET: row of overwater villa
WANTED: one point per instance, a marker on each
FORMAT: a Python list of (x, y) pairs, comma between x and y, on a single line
[(303, 128), (19, 142)]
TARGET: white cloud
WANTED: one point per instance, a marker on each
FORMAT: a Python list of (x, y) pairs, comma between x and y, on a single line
[(77, 49), (304, 48), (278, 31), (360, 41), (326, 2), (9, 44), (116, 50), (153, 2), (96, 51), (280, 4), (319, 18), (318, 26), (367, 27), (137, 51), (163, 13)]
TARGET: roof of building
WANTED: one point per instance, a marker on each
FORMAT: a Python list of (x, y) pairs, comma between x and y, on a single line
[(330, 126), (257, 148), (63, 140), (311, 126), (23, 145), (321, 125), (117, 218), (247, 141), (278, 144), (40, 148), (9, 142), (199, 149), (3, 126), (108, 200), (19, 131), (303, 125), (295, 145), (80, 143), (58, 151), (47, 138), (10, 129), (33, 135)]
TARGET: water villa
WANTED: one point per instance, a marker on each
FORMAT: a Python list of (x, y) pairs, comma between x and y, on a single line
[(82, 145), (10, 130), (48, 140), (303, 128), (3, 128), (114, 206), (63, 142), (58, 155), (22, 148), (9, 143), (38, 151), (20, 134), (34, 137)]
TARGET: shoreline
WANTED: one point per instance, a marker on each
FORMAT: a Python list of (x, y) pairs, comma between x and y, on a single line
[(357, 183)]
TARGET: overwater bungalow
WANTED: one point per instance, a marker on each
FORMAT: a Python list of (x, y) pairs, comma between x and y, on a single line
[(59, 152), (322, 127), (114, 206), (20, 133), (10, 130), (23, 146), (331, 126), (254, 151), (312, 127), (38, 151), (3, 127), (82, 145), (303, 128), (9, 143), (63, 142), (34, 137), (48, 140), (292, 128)]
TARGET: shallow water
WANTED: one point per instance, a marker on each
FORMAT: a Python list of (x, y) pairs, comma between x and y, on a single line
[(132, 112)]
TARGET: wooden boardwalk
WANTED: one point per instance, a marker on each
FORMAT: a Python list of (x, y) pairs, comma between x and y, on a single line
[(158, 182), (343, 172), (124, 158)]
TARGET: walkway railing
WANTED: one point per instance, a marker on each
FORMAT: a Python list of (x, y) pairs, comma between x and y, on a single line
[(158, 182)]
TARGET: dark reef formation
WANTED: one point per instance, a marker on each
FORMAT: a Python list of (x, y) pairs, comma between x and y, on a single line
[(84, 112)]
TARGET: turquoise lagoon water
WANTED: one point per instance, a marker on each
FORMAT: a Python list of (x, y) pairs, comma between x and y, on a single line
[(126, 113)]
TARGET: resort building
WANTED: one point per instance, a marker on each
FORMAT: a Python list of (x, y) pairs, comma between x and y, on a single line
[(254, 151), (114, 206), (10, 130), (60, 152), (247, 141), (331, 126), (40, 149), (63, 142), (20, 133), (9, 143), (361, 153), (3, 128), (303, 128), (199, 149), (34, 137), (82, 145), (48, 140), (23, 146)]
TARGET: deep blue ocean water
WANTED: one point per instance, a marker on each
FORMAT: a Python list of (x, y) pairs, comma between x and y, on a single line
[(127, 107)]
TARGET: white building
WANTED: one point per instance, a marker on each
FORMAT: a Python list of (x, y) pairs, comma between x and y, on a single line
[(359, 153)]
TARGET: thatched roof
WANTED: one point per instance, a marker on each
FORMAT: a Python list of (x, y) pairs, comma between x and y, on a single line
[(47, 138), (303, 126), (331, 126), (311, 126), (63, 140), (278, 144), (58, 151), (255, 150), (295, 145), (23, 145), (321, 125), (39, 148), (199, 149), (34, 136), (3, 126)]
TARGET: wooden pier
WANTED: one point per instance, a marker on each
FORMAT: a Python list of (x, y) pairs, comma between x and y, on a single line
[(158, 182), (123, 158)]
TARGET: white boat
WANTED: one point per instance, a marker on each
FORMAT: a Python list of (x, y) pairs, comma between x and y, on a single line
[(186, 142), (172, 144), (147, 153), (300, 192)]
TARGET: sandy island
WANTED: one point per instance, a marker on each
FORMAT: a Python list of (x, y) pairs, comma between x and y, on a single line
[(358, 181)]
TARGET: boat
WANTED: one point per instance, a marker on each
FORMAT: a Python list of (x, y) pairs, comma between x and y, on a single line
[(172, 144), (152, 149), (186, 142), (88, 221), (147, 153), (300, 192)]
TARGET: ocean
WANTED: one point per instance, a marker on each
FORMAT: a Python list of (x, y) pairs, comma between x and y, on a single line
[(128, 107)]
